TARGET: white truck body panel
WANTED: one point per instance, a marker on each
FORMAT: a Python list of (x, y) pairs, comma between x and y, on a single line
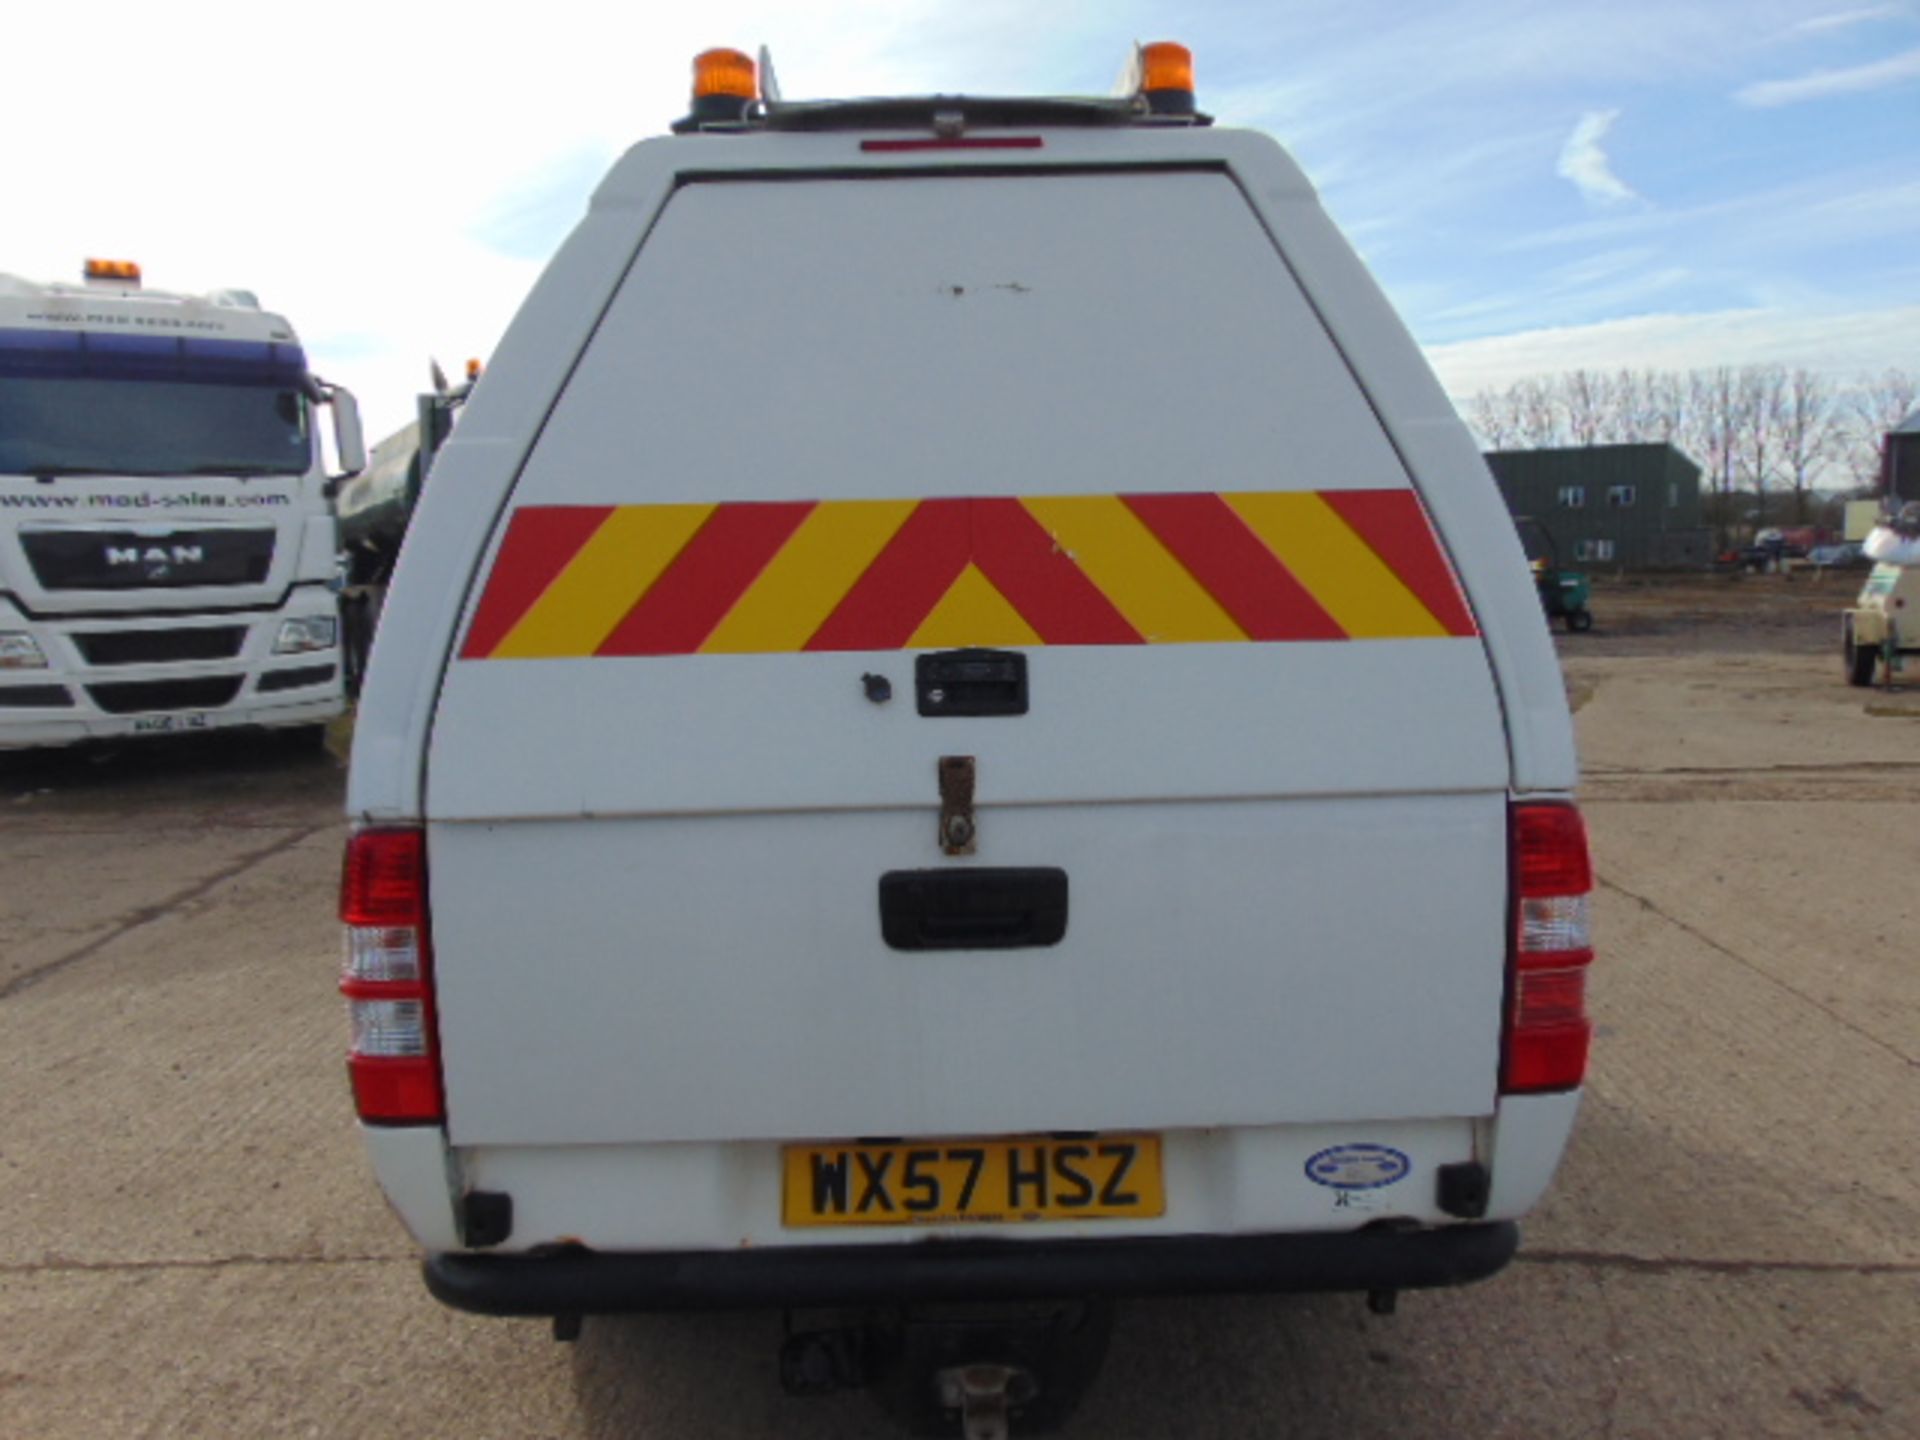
[(997, 342), (713, 1196), (652, 761), (528, 372), (97, 568), (653, 874), (1172, 1002)]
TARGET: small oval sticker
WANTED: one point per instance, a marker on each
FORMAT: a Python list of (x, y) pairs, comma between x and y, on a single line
[(1358, 1167)]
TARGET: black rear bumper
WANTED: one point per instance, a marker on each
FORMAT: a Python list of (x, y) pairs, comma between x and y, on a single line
[(591, 1283)]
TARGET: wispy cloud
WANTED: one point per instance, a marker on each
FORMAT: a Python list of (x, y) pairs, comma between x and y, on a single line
[(1820, 84), (1628, 280), (1837, 343), (527, 220), (1822, 213), (1847, 19), (1585, 163), (1447, 172)]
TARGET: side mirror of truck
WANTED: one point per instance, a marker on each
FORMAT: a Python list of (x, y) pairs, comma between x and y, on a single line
[(349, 443)]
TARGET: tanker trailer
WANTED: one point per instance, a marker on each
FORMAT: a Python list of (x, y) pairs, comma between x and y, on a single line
[(373, 508)]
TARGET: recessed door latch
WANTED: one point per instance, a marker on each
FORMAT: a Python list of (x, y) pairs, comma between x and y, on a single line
[(971, 682), (957, 829)]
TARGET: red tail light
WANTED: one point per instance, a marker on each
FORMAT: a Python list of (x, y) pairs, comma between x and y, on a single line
[(1547, 1032), (387, 979)]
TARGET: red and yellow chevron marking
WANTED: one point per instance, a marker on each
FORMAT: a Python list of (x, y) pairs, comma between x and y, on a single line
[(754, 577)]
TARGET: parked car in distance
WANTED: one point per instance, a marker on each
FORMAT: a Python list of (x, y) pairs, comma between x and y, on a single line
[(1847, 556)]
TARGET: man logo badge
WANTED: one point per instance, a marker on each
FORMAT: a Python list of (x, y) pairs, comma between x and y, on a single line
[(158, 560)]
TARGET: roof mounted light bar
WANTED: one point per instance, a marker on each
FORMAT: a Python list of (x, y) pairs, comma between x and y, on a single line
[(731, 94)]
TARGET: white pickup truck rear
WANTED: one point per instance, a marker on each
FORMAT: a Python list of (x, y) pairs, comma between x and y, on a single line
[(961, 682)]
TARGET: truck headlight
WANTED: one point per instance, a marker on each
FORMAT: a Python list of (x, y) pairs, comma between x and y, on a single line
[(306, 632), (19, 652)]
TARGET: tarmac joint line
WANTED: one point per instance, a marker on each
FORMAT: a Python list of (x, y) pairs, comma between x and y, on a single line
[(147, 914), (1765, 974), (1843, 767), (1683, 1265), (61, 1266)]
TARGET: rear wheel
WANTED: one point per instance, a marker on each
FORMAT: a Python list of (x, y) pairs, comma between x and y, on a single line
[(303, 739), (356, 639), (1861, 660), (1579, 621)]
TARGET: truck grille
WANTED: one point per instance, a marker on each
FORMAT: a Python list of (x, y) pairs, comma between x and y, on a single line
[(133, 696), (34, 697), (293, 679), (68, 559), (157, 647)]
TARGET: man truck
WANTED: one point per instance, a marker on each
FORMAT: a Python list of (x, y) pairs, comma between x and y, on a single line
[(167, 542)]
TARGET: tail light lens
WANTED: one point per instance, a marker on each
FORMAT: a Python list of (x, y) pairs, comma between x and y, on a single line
[(387, 979), (1547, 1032)]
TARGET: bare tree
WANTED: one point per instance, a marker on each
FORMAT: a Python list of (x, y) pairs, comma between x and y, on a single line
[(1811, 437), (1536, 413), (1664, 413), (1713, 439), (1492, 419), (1613, 404), (1750, 429), (1760, 404), (1874, 406), (1583, 400), (1627, 408)]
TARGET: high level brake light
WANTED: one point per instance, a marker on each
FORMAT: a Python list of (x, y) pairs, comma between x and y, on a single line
[(1547, 1032), (388, 979)]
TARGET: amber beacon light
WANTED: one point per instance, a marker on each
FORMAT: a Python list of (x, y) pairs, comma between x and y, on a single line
[(1166, 78), (725, 86), (123, 270), (724, 72)]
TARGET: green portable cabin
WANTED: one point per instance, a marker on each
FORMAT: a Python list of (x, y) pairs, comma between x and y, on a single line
[(1620, 506)]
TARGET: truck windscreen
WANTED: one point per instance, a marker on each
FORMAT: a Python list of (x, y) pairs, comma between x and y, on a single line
[(89, 403)]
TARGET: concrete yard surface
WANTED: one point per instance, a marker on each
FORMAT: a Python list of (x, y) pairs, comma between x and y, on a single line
[(194, 1247)]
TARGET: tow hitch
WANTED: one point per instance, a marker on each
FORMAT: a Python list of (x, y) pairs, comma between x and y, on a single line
[(976, 1372), (985, 1396)]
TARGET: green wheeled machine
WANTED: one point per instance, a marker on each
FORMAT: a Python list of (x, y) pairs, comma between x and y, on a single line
[(1877, 633), (1873, 636), (1563, 593)]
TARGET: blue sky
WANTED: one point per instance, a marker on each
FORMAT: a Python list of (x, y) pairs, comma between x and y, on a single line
[(1537, 185)]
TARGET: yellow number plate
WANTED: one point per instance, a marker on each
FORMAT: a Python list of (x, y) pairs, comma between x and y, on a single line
[(1102, 1177)]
